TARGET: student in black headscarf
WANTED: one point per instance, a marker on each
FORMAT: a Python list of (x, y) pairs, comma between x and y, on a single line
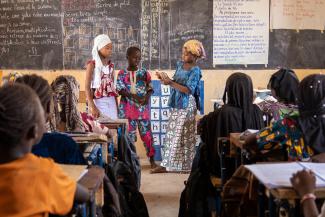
[(284, 86), (238, 114), (302, 135)]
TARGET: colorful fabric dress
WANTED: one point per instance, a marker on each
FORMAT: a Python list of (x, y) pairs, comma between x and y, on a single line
[(285, 134), (179, 148), (105, 95), (137, 114), (277, 111)]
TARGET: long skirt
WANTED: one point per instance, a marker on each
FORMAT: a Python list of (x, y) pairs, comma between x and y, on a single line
[(179, 148), (107, 106)]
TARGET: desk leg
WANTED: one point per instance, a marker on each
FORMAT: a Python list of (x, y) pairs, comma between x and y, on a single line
[(261, 199), (105, 153), (272, 206), (92, 209)]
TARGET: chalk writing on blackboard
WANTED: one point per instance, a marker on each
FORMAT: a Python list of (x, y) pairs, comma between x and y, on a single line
[(26, 28)]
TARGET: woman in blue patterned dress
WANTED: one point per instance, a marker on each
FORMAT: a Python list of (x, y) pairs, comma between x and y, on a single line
[(179, 147)]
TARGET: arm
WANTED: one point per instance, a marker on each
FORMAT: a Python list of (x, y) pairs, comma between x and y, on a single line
[(89, 96), (167, 81), (304, 183), (82, 194)]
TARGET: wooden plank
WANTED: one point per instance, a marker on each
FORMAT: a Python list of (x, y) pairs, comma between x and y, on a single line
[(82, 97), (235, 140), (89, 138), (74, 171), (290, 194)]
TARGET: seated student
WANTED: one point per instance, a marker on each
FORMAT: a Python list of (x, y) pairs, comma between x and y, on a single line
[(284, 86), (66, 91), (30, 185), (61, 148), (236, 115), (302, 136), (304, 182)]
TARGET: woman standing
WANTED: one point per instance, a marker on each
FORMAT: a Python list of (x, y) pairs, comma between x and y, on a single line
[(179, 148)]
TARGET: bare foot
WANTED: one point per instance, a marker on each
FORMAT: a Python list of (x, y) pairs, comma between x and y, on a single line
[(158, 169)]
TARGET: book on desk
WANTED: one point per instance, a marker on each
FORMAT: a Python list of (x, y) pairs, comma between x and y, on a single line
[(277, 175)]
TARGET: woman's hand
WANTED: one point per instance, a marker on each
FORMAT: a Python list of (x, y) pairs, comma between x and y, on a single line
[(94, 111), (303, 182)]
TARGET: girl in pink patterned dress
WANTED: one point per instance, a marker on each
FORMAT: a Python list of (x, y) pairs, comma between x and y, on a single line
[(100, 88)]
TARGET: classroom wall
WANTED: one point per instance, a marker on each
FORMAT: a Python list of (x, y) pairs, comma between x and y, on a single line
[(214, 82)]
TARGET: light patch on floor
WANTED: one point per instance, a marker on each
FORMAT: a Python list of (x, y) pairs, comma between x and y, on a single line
[(162, 191)]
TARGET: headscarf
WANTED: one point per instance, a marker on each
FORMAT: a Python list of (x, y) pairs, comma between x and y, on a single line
[(66, 91), (239, 93), (285, 84), (99, 42), (312, 111), (238, 114), (195, 47)]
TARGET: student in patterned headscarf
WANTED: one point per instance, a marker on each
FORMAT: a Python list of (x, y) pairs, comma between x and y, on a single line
[(284, 86), (179, 148)]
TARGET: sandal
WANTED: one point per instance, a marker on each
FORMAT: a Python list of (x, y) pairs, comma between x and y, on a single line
[(158, 169)]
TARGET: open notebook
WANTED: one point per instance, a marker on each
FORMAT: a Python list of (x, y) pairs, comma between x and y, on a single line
[(278, 174)]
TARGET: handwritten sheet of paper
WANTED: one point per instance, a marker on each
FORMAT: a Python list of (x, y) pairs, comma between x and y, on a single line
[(298, 14), (240, 32), (278, 174)]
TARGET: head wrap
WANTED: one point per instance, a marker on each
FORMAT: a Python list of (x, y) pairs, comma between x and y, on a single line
[(99, 42), (311, 103), (239, 93), (195, 47), (285, 84)]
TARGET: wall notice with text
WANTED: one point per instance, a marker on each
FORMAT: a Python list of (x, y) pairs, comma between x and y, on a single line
[(240, 32)]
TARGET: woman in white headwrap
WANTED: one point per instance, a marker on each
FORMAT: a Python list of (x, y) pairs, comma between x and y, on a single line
[(100, 86)]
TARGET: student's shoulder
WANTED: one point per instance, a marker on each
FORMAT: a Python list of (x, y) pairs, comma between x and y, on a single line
[(41, 163)]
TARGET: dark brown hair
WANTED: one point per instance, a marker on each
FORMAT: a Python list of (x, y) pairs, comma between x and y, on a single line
[(40, 86), (18, 112)]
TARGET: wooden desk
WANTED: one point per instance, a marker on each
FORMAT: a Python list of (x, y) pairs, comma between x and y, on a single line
[(89, 138), (115, 124), (235, 140), (120, 125), (92, 180)]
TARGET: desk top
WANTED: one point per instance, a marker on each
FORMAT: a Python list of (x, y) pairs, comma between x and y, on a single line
[(76, 172), (114, 124), (290, 194), (89, 138), (235, 139), (91, 179)]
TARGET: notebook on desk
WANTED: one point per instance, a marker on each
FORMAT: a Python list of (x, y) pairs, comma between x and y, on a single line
[(277, 175)]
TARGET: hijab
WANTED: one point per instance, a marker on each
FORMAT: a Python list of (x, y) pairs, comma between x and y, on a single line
[(311, 105), (285, 84), (238, 114), (99, 42)]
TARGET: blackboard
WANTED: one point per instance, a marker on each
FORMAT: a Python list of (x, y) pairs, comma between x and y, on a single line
[(167, 24), (58, 34), (30, 34)]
